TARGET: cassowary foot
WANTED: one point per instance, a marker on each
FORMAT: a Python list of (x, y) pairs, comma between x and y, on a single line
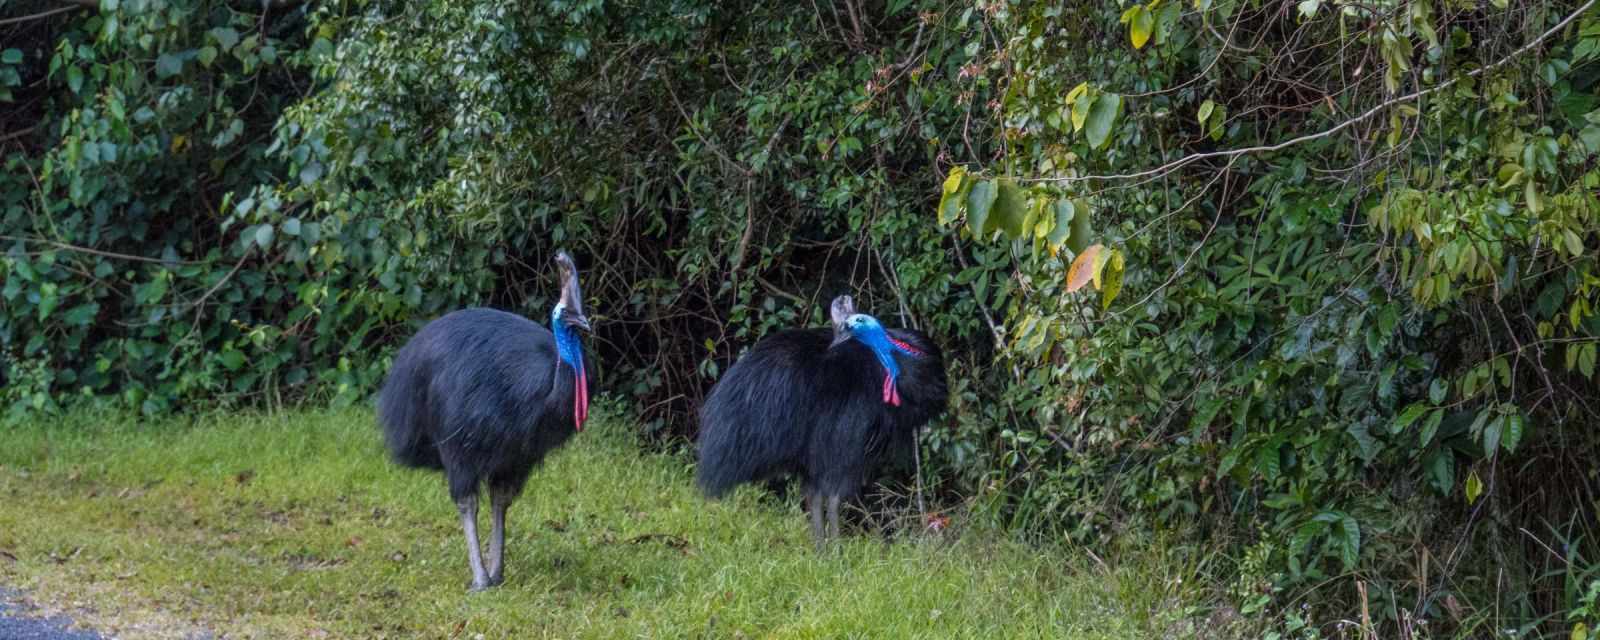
[(476, 587)]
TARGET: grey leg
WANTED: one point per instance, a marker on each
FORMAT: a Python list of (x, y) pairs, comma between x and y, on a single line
[(469, 525), (833, 515), (814, 505), (499, 501)]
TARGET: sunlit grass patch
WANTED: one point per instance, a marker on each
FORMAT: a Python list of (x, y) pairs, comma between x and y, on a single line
[(295, 525)]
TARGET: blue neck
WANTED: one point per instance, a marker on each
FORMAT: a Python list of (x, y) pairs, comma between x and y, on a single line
[(567, 346), (877, 340)]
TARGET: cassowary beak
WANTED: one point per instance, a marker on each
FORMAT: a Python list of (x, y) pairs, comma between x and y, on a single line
[(840, 336), (577, 320)]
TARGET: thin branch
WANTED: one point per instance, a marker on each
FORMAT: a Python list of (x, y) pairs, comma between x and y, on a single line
[(44, 14), (1193, 158), (15, 134), (108, 254)]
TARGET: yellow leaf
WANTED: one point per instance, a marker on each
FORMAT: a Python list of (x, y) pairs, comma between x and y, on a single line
[(1072, 96), (1100, 259), (1474, 487), (1580, 631), (952, 195), (1079, 100), (1082, 268), (1142, 25), (179, 142)]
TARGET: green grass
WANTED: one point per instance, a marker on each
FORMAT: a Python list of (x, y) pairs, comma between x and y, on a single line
[(297, 526)]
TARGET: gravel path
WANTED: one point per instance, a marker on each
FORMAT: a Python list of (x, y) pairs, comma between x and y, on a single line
[(16, 625)]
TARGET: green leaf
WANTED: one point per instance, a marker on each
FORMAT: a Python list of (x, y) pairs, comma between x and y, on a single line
[(1303, 536), (1366, 445), (263, 236), (1408, 416), (1349, 542), (1205, 112), (152, 291), (954, 192), (232, 359), (1591, 138), (1269, 463), (1512, 436), (206, 55), (1010, 209), (1079, 240), (108, 6), (979, 201), (1474, 487), (1441, 467), (1062, 230), (292, 226), (1113, 280), (1430, 427), (168, 65), (1437, 390), (1491, 436), (1101, 116), (11, 56), (225, 37), (81, 315)]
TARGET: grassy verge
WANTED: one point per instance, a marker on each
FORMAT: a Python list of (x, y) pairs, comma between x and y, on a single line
[(297, 526)]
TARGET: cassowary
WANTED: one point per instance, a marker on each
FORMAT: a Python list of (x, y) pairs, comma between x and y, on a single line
[(483, 395), (826, 407)]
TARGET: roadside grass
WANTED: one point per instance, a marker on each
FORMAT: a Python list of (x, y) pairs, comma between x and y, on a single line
[(296, 525)]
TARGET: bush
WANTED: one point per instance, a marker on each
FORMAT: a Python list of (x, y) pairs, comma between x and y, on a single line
[(1344, 322)]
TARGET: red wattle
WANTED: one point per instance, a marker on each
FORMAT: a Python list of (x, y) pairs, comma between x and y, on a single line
[(906, 347), (891, 395), (580, 400)]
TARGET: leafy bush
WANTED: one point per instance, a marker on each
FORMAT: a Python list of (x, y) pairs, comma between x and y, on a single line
[(1344, 314)]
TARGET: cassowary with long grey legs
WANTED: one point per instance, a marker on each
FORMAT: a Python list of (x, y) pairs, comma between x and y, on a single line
[(824, 406), (483, 395)]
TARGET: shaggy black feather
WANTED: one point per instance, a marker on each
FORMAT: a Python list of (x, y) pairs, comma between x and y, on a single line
[(478, 394), (795, 405)]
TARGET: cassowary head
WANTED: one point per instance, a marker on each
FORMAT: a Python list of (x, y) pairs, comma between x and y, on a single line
[(568, 315), (569, 310), (848, 325)]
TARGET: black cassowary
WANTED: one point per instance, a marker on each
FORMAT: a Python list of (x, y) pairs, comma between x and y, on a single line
[(827, 407), (484, 395)]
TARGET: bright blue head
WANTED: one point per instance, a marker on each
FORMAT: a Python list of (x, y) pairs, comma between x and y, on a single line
[(870, 332), (562, 325)]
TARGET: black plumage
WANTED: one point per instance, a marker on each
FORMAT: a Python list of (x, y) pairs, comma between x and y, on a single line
[(820, 405), (483, 395)]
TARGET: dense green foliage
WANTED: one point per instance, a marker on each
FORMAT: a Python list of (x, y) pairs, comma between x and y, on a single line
[(1343, 251)]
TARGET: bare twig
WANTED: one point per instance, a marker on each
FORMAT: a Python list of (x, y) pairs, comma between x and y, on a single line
[(108, 254), (45, 14)]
